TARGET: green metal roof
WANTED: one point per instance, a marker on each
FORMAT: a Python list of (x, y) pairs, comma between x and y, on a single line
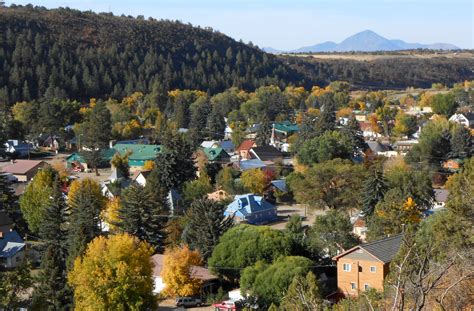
[(213, 154), (286, 127), (106, 155), (139, 152)]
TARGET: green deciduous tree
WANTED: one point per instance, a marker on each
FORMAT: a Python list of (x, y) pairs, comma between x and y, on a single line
[(14, 286), (328, 146), (334, 184), (331, 234), (206, 224), (269, 282), (243, 245), (36, 199), (303, 294), (461, 142)]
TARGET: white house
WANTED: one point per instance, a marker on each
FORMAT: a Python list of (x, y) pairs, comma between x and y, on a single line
[(466, 119)]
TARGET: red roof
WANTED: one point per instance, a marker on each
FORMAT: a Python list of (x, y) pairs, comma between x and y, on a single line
[(246, 145), (359, 223), (21, 167)]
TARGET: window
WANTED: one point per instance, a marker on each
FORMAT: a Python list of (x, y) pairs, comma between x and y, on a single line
[(353, 286), (373, 269), (366, 286), (346, 267)]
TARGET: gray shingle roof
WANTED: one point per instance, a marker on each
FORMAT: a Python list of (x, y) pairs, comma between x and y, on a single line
[(385, 249)]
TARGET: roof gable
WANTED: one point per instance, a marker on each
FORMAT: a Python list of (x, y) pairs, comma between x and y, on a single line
[(382, 250)]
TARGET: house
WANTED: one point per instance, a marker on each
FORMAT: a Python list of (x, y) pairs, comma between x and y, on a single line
[(359, 228), (251, 132), (280, 133), (244, 149), (18, 148), (139, 153), (418, 110), (366, 266), (12, 249), (380, 149), (23, 170), (228, 146), (266, 153), (361, 116), (440, 199), (216, 155), (404, 146), (367, 130), (210, 144), (140, 177), (76, 160), (209, 280), (465, 119), (250, 164), (251, 209), (114, 186), (279, 184), (452, 165), (218, 195)]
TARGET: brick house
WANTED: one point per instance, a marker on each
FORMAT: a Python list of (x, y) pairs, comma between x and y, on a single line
[(366, 266)]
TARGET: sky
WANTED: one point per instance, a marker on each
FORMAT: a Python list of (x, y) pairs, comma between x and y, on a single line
[(290, 24)]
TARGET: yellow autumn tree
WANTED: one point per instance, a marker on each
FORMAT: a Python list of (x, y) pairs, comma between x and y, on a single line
[(411, 213), (149, 165), (114, 274), (110, 215), (254, 180), (178, 272)]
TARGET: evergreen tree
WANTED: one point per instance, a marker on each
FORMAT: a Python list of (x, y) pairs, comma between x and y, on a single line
[(264, 132), (206, 224), (216, 125), (9, 205), (461, 143), (84, 222), (142, 216), (96, 133), (51, 292), (375, 187), (327, 118), (175, 164), (352, 128)]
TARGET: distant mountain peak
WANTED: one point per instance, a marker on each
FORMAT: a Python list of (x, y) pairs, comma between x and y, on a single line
[(367, 41)]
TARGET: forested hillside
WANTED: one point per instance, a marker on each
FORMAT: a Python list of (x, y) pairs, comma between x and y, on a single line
[(67, 53), (390, 72)]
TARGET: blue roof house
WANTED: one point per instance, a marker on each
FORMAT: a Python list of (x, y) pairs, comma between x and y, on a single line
[(12, 250), (252, 209)]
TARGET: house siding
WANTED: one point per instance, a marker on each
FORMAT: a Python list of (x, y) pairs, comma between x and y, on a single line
[(360, 273)]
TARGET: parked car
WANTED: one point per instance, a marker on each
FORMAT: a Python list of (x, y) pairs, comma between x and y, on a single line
[(227, 305), (188, 302)]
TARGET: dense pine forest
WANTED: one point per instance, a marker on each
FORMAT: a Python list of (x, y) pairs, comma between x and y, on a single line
[(67, 53)]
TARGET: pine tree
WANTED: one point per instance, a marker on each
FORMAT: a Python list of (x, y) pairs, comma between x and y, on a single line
[(327, 118), (352, 128), (52, 291), (206, 224), (9, 205), (216, 125), (84, 223), (461, 143), (373, 192), (175, 165), (264, 132), (142, 216)]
